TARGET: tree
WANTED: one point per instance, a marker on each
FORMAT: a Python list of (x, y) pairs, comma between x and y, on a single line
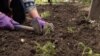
[(50, 2), (95, 10)]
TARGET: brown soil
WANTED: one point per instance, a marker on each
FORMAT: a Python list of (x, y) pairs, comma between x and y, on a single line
[(63, 16)]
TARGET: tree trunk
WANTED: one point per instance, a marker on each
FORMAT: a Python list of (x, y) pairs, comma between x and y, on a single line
[(95, 10), (50, 2)]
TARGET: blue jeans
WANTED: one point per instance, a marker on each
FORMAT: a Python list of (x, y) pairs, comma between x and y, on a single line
[(18, 8)]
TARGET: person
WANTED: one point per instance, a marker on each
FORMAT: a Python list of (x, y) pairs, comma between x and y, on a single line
[(18, 9), (7, 22)]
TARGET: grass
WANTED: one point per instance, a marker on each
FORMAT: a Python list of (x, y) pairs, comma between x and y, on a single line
[(85, 2), (43, 2), (45, 14)]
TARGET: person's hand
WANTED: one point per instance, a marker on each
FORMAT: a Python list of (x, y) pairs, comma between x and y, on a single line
[(42, 26), (7, 22)]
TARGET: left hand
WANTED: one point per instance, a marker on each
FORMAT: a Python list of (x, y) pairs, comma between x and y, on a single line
[(7, 22)]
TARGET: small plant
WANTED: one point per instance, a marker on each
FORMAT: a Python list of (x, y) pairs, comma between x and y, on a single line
[(47, 49), (45, 14), (71, 29), (87, 51), (48, 29)]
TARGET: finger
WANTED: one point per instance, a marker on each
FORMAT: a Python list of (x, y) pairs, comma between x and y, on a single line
[(14, 22)]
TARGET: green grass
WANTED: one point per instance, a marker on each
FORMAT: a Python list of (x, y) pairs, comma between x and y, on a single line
[(45, 14), (85, 2), (46, 2)]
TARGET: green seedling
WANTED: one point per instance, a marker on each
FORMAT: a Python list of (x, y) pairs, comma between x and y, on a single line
[(48, 31), (87, 51), (45, 14), (71, 29), (47, 49)]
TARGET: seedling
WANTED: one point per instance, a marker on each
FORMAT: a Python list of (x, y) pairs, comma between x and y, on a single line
[(47, 49), (48, 29), (87, 51), (71, 29)]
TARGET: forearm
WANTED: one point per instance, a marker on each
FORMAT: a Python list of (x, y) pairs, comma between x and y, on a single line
[(30, 7)]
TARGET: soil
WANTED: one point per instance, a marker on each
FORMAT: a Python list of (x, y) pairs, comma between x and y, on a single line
[(62, 16)]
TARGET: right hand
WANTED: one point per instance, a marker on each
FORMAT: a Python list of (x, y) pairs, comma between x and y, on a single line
[(42, 26), (7, 22)]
